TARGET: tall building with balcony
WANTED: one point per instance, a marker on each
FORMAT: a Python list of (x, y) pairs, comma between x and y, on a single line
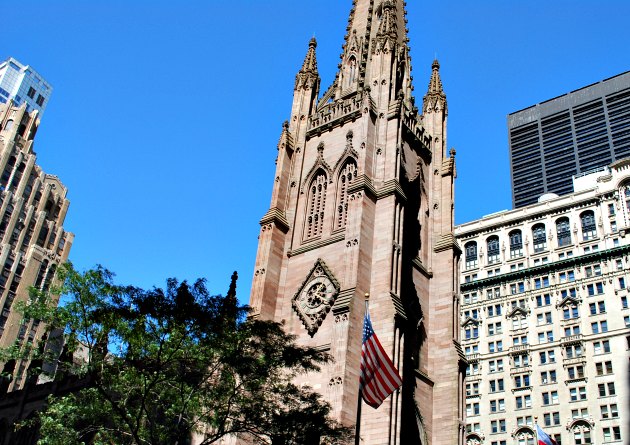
[(24, 85), (545, 317), (570, 134), (33, 242)]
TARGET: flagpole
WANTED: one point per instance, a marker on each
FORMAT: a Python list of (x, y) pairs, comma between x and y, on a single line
[(357, 433), (536, 430)]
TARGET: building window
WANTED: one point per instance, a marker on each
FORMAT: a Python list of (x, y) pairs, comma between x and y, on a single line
[(593, 271), (495, 328), (494, 310), (497, 405), (471, 255), (577, 393), (516, 244), (495, 365), (40, 100), (495, 346), (589, 229), (348, 173), (572, 351), (498, 426), (31, 92), (316, 205), (547, 357), (521, 381), (571, 330), (543, 300), (471, 332), (603, 368), (517, 288), (547, 377), (597, 308), (497, 385), (599, 326), (609, 411), (540, 238), (545, 337), (493, 250), (575, 372), (606, 389), (519, 323), (472, 409), (570, 311), (552, 419), (567, 276), (541, 282), (601, 347), (550, 398), (595, 288), (612, 434), (543, 319), (563, 229)]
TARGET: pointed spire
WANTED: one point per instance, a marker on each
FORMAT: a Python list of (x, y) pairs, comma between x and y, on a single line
[(308, 75), (435, 99)]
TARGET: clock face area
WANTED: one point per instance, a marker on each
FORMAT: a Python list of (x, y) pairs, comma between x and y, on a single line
[(315, 297)]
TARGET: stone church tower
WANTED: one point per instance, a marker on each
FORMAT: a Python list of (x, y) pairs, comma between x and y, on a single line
[(362, 202)]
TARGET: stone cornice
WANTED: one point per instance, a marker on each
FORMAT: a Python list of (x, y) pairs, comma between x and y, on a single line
[(363, 183), (316, 244), (275, 216), (391, 187), (417, 263), (447, 242), (342, 303), (546, 268)]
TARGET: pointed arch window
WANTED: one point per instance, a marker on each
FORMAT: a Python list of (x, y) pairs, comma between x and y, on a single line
[(471, 254), (347, 175), (563, 229), (516, 244), (316, 205), (589, 229), (540, 238), (493, 250)]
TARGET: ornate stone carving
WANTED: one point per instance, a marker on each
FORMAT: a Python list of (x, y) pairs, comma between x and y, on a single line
[(315, 297)]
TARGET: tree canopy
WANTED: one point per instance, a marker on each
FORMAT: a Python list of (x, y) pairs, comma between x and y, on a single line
[(166, 363)]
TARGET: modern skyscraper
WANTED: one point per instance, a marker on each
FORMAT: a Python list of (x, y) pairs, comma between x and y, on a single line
[(22, 84), (33, 243), (546, 318), (362, 202), (568, 135)]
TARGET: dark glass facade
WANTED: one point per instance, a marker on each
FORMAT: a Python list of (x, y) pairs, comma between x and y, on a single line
[(571, 134)]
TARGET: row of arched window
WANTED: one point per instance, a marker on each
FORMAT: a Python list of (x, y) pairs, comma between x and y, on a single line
[(316, 204), (539, 238)]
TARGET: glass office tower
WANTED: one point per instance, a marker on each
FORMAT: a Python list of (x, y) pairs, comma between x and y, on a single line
[(23, 84), (568, 135)]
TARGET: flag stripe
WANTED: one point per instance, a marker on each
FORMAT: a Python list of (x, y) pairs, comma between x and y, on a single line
[(379, 377)]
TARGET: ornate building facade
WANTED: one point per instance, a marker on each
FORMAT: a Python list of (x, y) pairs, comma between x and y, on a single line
[(362, 203), (545, 316), (33, 243)]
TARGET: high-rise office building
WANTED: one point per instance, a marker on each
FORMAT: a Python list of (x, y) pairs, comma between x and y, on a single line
[(545, 316), (568, 135), (33, 243), (24, 85), (362, 202)]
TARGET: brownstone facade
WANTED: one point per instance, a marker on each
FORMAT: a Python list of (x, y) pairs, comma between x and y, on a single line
[(33, 243), (362, 202)]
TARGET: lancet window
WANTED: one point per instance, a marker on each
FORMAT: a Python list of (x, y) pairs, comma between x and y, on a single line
[(589, 230), (540, 238), (347, 175), (316, 205), (471, 254), (563, 228)]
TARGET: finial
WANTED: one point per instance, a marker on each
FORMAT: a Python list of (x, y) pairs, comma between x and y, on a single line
[(452, 152), (367, 296), (232, 290), (285, 125), (313, 42), (436, 64)]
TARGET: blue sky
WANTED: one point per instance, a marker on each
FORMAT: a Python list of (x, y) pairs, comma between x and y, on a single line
[(165, 116)]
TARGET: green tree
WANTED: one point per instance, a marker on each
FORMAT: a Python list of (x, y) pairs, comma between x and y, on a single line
[(162, 364)]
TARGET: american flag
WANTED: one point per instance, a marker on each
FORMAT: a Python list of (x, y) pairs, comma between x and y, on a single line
[(379, 377)]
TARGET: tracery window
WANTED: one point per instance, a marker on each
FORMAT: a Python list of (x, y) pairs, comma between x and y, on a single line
[(316, 205), (589, 230), (540, 238), (493, 249), (347, 175), (516, 244), (471, 254), (563, 229)]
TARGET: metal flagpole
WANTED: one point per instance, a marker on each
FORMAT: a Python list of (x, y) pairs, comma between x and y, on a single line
[(357, 433)]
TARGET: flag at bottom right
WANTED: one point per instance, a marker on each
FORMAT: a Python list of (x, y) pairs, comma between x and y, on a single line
[(544, 438)]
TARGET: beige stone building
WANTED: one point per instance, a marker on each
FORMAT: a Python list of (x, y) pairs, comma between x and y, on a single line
[(33, 243), (545, 318), (362, 202)]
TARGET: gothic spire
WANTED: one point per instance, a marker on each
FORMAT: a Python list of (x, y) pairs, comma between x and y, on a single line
[(308, 75), (435, 99)]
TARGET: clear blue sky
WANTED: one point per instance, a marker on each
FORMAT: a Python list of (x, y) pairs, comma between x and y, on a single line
[(165, 115)]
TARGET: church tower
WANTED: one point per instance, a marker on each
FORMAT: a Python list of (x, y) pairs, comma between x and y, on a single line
[(362, 203)]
